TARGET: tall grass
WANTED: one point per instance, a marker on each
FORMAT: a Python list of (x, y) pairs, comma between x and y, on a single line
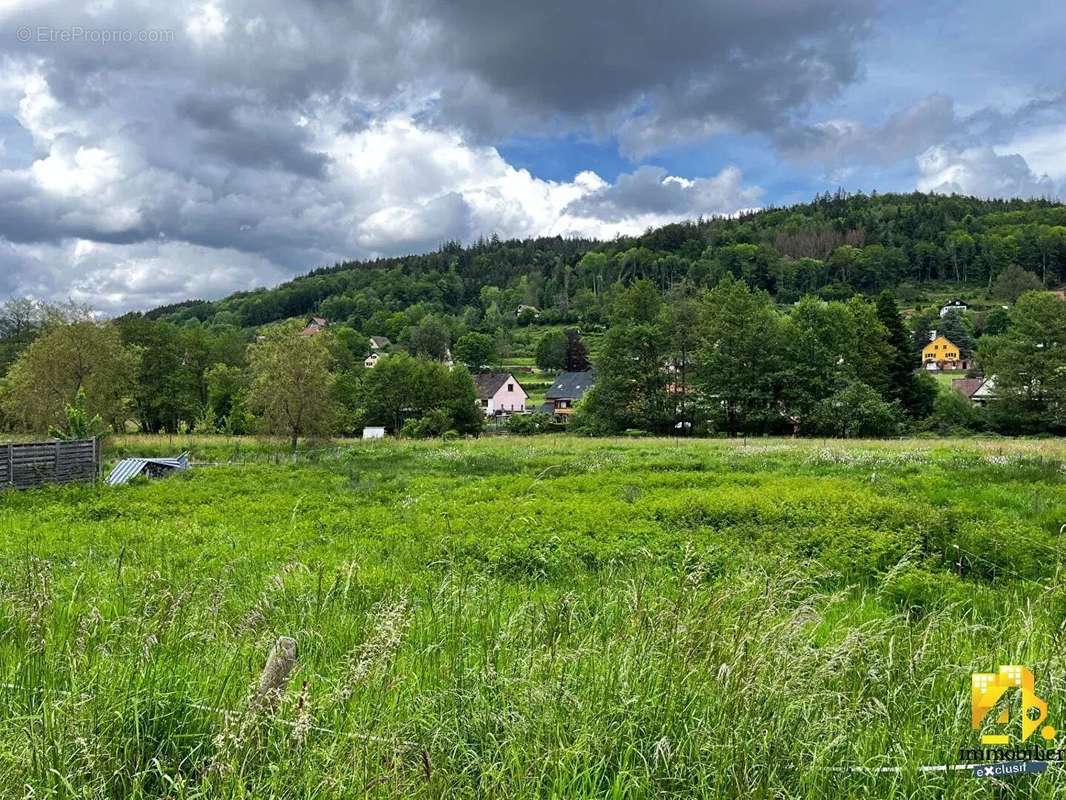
[(528, 618)]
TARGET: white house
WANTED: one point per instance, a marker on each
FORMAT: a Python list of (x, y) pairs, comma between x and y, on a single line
[(500, 393), (952, 305), (371, 360), (986, 392)]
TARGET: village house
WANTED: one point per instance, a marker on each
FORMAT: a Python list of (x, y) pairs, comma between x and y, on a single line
[(371, 360), (565, 391), (316, 325), (378, 343), (977, 390), (985, 392), (952, 305), (967, 386), (942, 354), (499, 393)]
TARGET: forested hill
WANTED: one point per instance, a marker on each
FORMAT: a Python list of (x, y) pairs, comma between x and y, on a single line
[(835, 246)]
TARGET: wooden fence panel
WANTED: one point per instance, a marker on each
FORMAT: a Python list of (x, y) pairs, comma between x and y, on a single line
[(24, 465)]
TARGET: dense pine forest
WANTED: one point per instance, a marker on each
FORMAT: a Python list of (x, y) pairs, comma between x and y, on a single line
[(804, 320)]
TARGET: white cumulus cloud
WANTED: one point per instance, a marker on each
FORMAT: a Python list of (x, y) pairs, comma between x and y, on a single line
[(980, 171)]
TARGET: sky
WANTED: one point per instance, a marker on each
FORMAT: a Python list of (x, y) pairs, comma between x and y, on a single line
[(156, 152)]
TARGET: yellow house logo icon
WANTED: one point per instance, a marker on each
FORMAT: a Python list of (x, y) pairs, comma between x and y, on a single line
[(988, 688)]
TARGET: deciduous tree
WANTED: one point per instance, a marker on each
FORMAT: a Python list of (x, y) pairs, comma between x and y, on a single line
[(739, 365), (291, 384), (551, 351), (1014, 282), (475, 350), (66, 358)]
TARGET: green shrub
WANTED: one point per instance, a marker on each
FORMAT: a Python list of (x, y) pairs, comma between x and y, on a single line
[(856, 411), (953, 414), (530, 424), (915, 590), (435, 423)]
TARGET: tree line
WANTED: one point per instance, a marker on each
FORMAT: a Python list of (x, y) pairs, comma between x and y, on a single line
[(762, 323), (730, 361), (154, 376), (726, 360)]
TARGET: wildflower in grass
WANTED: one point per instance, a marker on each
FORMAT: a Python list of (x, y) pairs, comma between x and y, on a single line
[(266, 603), (391, 620), (36, 602), (302, 725), (88, 624)]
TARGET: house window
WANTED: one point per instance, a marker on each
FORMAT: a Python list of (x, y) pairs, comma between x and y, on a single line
[(510, 387)]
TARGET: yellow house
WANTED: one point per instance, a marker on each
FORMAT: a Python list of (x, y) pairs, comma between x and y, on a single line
[(942, 353)]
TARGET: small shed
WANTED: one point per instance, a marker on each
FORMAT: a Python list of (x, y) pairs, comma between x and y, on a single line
[(129, 468), (373, 433)]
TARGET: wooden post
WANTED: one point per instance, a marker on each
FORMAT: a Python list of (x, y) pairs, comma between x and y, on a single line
[(11, 463), (279, 666)]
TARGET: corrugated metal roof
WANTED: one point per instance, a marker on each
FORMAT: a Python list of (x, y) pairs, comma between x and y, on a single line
[(129, 468)]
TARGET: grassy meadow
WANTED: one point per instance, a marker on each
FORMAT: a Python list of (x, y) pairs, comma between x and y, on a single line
[(546, 617)]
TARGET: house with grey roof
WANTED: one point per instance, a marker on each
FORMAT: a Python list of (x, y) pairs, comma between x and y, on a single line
[(566, 390)]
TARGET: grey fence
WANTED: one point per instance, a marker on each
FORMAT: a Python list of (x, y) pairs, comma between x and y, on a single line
[(24, 465)]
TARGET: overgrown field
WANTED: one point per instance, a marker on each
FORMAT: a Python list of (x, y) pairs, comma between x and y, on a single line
[(548, 617)]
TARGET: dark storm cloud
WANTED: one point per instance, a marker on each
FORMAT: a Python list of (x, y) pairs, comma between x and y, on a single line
[(581, 61), (291, 133), (750, 65), (245, 136), (217, 107)]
